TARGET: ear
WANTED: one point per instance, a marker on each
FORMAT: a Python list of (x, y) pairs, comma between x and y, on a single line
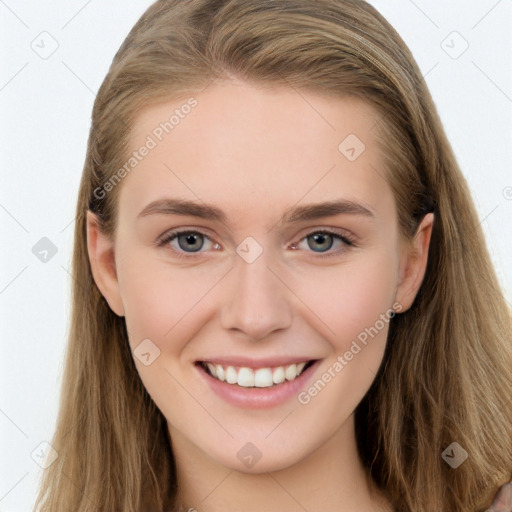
[(101, 256), (414, 263)]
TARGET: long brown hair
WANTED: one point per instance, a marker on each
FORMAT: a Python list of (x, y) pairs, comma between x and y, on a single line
[(446, 373)]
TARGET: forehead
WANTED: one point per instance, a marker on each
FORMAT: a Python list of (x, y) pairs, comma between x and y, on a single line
[(255, 149)]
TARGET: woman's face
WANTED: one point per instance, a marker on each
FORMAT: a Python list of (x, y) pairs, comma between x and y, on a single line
[(289, 253)]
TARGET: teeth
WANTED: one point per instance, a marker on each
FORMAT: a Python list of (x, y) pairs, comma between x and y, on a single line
[(212, 369), (278, 375), (231, 375), (290, 372), (246, 378), (219, 373), (263, 378), (260, 378)]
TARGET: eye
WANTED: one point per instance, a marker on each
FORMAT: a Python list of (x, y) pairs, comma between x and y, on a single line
[(322, 241), (187, 241)]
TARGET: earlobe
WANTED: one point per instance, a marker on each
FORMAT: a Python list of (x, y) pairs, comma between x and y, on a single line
[(100, 248), (413, 264)]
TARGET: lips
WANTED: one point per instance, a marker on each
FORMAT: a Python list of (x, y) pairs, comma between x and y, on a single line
[(251, 382), (255, 375)]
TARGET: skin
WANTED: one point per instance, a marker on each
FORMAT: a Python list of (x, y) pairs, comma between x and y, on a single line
[(254, 153)]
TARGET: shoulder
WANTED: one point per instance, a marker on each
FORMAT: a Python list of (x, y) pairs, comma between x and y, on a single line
[(503, 500)]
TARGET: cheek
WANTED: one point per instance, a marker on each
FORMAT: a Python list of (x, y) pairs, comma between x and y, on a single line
[(354, 303), (350, 298), (160, 300)]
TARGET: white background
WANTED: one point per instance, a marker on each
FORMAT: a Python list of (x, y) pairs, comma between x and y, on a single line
[(45, 114)]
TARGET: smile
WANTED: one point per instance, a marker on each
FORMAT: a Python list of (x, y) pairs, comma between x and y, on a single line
[(255, 377), (252, 384)]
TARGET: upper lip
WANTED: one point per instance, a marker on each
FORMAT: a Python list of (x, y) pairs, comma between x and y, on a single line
[(248, 362)]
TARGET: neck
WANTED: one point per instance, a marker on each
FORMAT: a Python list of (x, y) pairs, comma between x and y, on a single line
[(330, 478)]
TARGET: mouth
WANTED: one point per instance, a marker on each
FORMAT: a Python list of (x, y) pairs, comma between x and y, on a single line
[(255, 377)]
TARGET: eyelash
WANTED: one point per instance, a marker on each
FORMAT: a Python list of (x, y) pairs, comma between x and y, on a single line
[(172, 235)]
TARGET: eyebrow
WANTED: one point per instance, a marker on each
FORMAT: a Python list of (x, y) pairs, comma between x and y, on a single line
[(295, 214)]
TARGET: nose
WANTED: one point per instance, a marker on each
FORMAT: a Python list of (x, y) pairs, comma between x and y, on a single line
[(257, 302)]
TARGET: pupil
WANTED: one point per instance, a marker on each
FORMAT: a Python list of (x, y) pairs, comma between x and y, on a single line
[(192, 240), (321, 240)]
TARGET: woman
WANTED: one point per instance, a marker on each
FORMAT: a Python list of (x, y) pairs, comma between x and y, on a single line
[(218, 359)]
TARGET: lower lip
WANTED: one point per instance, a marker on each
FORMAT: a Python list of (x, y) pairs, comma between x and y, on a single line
[(258, 398)]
